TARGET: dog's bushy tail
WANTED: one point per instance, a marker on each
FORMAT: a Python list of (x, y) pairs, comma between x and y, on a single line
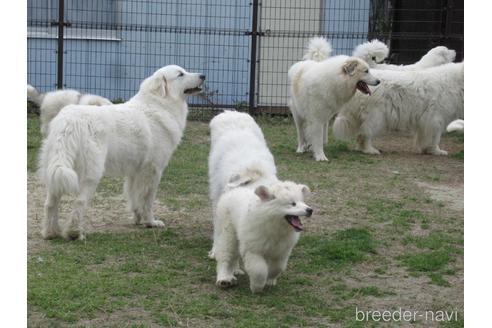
[(344, 128), (318, 49), (34, 94), (56, 163), (456, 125)]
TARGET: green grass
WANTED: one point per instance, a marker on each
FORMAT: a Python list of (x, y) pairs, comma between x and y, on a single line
[(164, 278), (163, 273)]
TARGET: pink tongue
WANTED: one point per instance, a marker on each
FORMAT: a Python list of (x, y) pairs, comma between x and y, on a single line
[(296, 222)]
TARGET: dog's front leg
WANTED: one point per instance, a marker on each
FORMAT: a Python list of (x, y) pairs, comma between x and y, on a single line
[(275, 268), (257, 270)]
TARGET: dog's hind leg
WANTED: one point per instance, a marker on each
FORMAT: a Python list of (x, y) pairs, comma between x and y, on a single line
[(51, 229), (226, 254), (428, 138), (301, 136), (257, 270), (75, 228)]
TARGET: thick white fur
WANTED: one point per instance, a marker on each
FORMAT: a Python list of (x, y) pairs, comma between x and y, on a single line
[(135, 140), (375, 52), (318, 89), (250, 204), (51, 103), (372, 52), (456, 125), (423, 102)]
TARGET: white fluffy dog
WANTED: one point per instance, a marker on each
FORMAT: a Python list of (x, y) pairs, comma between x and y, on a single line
[(319, 86), (375, 52), (51, 103), (135, 140), (256, 216), (423, 102)]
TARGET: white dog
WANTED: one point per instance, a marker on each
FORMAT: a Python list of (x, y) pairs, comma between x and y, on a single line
[(318, 89), (256, 216), (375, 52), (423, 102), (51, 103), (135, 140)]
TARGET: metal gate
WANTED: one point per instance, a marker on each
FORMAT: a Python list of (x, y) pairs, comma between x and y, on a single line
[(245, 48)]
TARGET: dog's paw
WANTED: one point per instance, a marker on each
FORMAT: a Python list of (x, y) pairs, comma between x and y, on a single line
[(50, 233), (73, 234), (226, 283), (271, 282), (155, 224), (371, 151), (320, 158), (440, 152), (211, 254)]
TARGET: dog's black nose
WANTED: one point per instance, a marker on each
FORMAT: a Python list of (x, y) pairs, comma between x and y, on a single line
[(377, 82), (309, 212), (202, 77)]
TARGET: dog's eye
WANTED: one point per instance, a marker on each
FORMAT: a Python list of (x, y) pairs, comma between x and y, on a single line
[(374, 58), (293, 204), (366, 71), (180, 74)]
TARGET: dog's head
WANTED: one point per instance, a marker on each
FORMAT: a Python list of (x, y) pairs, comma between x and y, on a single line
[(438, 56), (285, 200), (357, 71), (372, 52), (173, 81)]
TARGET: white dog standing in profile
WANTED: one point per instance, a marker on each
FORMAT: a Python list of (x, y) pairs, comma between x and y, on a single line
[(256, 216), (375, 52), (319, 87), (134, 140), (422, 102), (51, 103)]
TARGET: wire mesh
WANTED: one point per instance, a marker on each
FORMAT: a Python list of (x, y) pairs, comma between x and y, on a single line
[(110, 46)]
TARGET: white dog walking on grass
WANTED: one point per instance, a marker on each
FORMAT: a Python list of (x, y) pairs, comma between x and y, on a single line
[(319, 87), (51, 103), (135, 140), (256, 216)]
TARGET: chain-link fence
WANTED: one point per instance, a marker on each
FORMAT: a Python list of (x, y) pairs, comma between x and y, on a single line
[(245, 48)]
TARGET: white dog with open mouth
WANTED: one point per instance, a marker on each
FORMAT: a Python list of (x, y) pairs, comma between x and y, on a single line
[(51, 103), (319, 87), (375, 52), (135, 140), (421, 102), (256, 216)]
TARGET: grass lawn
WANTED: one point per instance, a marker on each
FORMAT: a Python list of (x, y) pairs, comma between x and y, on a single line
[(387, 233)]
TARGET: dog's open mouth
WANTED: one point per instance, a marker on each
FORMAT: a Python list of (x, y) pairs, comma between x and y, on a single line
[(294, 221), (193, 90), (362, 87)]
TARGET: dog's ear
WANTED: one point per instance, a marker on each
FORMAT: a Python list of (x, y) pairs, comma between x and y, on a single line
[(349, 66), (156, 84), (305, 190), (264, 194)]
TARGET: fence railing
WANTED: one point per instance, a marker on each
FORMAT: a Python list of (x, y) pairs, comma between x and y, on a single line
[(245, 48)]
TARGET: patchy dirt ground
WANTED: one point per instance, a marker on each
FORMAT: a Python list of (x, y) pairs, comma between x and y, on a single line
[(346, 193)]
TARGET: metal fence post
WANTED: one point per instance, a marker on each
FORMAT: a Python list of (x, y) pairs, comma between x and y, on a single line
[(61, 25), (252, 68)]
